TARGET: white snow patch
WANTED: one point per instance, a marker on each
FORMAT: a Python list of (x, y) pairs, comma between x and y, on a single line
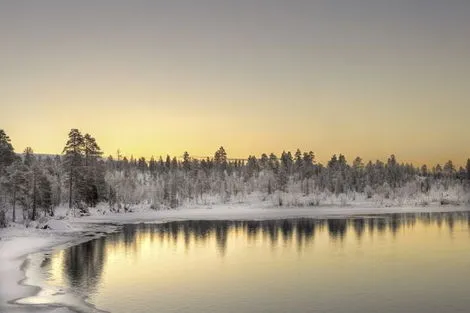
[(58, 225)]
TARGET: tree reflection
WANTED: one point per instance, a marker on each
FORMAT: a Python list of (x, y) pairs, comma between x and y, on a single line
[(221, 231), (337, 228), (252, 229), (287, 230), (394, 223), (381, 225), (450, 222), (270, 229), (371, 226), (359, 225), (305, 231), (83, 264)]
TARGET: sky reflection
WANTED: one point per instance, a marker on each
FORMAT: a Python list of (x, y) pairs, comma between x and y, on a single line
[(160, 264)]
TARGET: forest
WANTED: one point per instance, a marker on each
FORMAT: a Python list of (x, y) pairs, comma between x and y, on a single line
[(32, 186)]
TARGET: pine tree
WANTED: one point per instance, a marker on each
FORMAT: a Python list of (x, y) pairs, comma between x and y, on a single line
[(438, 171), (186, 161), (220, 159), (449, 169), (298, 163), (92, 184), (287, 162), (357, 174), (251, 167), (468, 169), (264, 161), (152, 166), (91, 150), (332, 164), (424, 170), (174, 164), (7, 154), (28, 156), (167, 163), (160, 165), (142, 164), (282, 178), (72, 160), (33, 173), (273, 163), (307, 170)]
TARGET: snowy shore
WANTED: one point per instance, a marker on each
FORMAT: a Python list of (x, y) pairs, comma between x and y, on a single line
[(18, 244)]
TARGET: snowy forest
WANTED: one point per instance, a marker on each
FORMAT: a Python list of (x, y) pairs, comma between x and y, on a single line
[(80, 178)]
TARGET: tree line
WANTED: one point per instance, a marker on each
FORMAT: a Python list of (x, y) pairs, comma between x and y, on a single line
[(81, 178)]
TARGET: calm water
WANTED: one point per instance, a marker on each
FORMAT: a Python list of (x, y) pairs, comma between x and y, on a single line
[(394, 263)]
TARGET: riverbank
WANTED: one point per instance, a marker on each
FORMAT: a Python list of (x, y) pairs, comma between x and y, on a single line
[(18, 243)]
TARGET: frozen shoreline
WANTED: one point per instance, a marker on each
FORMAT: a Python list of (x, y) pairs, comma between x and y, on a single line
[(18, 244)]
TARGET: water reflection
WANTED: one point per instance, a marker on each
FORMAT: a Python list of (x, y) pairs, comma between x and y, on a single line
[(82, 266), (359, 225)]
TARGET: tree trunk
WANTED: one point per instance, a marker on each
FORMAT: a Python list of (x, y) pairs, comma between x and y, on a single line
[(34, 198), (3, 219), (14, 205), (59, 189), (70, 189)]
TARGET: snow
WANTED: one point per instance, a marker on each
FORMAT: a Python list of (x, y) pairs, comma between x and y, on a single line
[(58, 225), (19, 243), (244, 211), (15, 245), (19, 247), (47, 294)]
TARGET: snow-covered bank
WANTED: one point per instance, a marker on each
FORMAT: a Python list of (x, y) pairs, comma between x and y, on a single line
[(15, 245), (19, 247), (250, 212), (18, 242)]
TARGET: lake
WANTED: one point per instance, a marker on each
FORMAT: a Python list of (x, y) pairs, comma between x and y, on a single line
[(389, 263)]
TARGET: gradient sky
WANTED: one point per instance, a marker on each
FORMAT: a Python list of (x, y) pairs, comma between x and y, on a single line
[(360, 77)]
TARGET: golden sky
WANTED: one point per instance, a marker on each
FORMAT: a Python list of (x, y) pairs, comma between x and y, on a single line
[(357, 77)]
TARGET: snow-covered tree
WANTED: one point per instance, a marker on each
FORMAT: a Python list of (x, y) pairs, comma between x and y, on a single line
[(7, 154)]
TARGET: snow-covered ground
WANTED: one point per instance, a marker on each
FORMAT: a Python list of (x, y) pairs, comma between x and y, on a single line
[(18, 244)]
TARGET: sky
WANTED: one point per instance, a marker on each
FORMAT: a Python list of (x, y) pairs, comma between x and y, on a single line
[(358, 77)]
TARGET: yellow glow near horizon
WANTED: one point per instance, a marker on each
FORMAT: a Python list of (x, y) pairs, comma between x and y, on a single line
[(153, 79)]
